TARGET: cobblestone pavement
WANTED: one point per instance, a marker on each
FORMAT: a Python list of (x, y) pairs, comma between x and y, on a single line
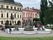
[(4, 34)]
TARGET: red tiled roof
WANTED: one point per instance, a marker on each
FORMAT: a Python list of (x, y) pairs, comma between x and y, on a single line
[(33, 10)]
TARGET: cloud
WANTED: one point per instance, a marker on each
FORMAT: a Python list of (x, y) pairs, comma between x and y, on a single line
[(30, 3)]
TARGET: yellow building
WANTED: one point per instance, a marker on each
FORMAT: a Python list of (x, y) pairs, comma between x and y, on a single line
[(9, 8)]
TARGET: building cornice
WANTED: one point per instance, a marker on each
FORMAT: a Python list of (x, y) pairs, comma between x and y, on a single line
[(10, 9), (15, 3)]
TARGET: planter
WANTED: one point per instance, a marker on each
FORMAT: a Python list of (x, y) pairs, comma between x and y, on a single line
[(35, 29), (21, 29), (7, 30), (48, 30), (12, 29)]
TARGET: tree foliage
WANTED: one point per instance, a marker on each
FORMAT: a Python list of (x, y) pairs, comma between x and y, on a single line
[(46, 14), (43, 11), (49, 14)]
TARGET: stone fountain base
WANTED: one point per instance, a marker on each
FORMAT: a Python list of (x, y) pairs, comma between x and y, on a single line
[(21, 31)]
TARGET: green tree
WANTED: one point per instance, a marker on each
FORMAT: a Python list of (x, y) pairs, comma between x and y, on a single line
[(46, 14), (35, 20), (43, 10), (49, 14)]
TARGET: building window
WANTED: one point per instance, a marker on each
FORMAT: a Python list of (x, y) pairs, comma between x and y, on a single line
[(20, 9), (11, 7), (15, 22), (7, 15), (12, 16), (15, 15), (1, 15), (18, 16), (36, 15), (15, 8), (1, 6), (1, 22), (23, 14), (7, 7)]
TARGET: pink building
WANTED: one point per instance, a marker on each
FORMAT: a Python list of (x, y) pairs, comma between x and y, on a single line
[(30, 13)]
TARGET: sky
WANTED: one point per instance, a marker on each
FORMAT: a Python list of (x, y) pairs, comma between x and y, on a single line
[(29, 3)]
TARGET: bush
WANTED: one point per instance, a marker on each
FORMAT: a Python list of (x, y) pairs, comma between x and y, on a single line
[(49, 27)]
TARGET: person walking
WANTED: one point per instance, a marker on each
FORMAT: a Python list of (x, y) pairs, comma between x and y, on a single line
[(3, 27), (10, 30), (38, 26)]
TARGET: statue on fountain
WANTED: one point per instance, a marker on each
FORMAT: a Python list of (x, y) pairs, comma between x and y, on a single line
[(28, 25)]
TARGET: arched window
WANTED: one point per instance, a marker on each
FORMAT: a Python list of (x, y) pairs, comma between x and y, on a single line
[(7, 7), (1, 15), (15, 8), (1, 22), (15, 22), (7, 15), (12, 16), (1, 6), (20, 9), (11, 7), (18, 16), (15, 15), (19, 22)]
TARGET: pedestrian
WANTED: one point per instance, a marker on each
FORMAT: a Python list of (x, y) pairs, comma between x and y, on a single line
[(3, 27), (38, 26), (10, 30)]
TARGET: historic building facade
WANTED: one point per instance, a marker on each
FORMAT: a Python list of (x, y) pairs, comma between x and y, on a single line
[(9, 8), (30, 13)]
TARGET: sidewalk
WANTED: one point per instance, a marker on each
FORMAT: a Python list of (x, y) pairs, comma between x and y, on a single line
[(4, 34)]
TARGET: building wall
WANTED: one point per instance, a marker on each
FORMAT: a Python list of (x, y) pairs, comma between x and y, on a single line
[(8, 9), (30, 13)]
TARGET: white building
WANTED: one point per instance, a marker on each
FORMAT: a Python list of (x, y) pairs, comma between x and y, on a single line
[(9, 8)]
